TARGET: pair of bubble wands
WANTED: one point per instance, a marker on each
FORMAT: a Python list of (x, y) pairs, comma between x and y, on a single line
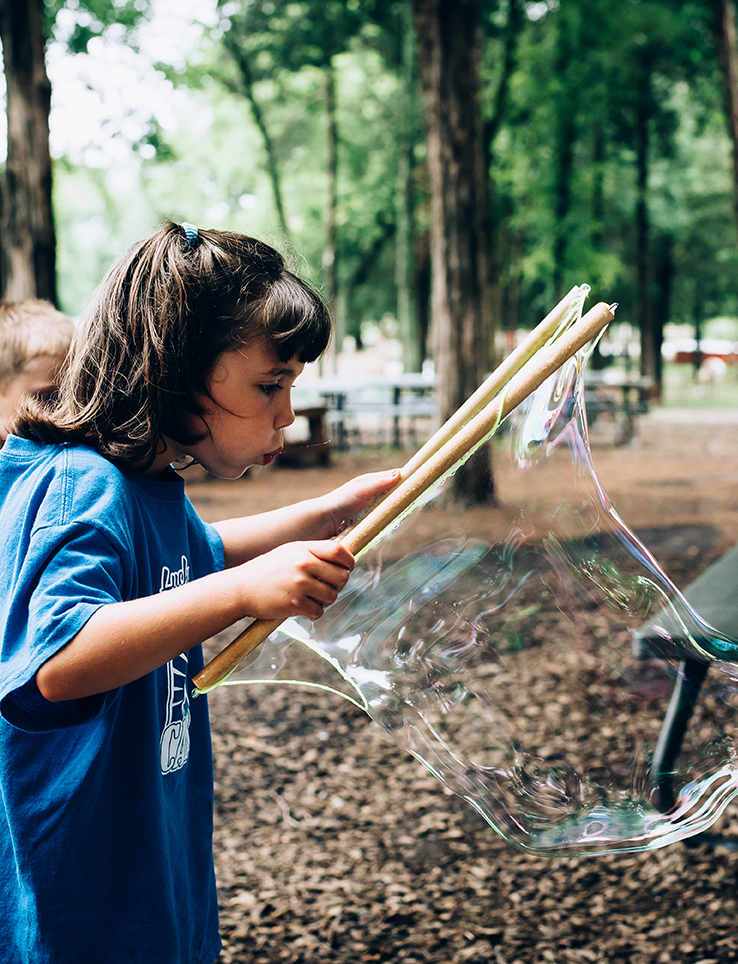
[(549, 346)]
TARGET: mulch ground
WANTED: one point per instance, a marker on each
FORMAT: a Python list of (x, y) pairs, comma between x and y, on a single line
[(334, 845)]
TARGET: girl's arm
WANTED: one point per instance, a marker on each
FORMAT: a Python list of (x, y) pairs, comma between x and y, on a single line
[(321, 518), (122, 642), (247, 537)]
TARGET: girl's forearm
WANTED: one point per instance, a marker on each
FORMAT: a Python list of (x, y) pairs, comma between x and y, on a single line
[(250, 536), (124, 641)]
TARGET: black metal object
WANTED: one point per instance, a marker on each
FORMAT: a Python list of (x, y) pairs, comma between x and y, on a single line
[(713, 596), (683, 700)]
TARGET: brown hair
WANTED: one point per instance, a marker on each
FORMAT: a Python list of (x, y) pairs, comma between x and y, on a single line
[(28, 330), (162, 317)]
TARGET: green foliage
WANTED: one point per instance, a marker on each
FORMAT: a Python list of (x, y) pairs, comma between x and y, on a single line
[(93, 17), (562, 161)]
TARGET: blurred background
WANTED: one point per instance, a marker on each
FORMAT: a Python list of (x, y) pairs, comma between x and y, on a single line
[(540, 144)]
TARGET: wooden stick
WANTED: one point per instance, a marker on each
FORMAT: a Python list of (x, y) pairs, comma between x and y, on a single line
[(554, 322), (548, 360), (492, 385)]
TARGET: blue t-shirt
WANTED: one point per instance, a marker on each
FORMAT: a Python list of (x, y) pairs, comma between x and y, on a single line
[(105, 802)]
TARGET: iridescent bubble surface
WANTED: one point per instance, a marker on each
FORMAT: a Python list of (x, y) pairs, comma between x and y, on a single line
[(500, 656)]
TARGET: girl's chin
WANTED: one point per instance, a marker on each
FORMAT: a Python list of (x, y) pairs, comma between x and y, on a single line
[(237, 472), (229, 473)]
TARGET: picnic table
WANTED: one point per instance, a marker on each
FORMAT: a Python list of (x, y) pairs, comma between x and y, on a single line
[(316, 448), (406, 396), (402, 400), (618, 395), (713, 596)]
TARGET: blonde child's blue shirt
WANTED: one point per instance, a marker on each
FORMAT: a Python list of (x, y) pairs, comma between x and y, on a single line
[(105, 802)]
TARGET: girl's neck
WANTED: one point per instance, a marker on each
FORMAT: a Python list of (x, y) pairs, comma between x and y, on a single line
[(163, 460)]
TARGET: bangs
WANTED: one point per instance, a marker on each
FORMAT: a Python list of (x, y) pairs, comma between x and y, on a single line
[(295, 319)]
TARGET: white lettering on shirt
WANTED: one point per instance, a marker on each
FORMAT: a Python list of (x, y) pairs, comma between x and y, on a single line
[(175, 736)]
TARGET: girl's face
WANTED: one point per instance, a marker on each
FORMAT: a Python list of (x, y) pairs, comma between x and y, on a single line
[(249, 407)]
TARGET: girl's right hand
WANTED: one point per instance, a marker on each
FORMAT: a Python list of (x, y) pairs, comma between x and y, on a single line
[(296, 579)]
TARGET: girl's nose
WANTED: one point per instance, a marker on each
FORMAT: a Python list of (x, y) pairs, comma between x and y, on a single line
[(285, 416)]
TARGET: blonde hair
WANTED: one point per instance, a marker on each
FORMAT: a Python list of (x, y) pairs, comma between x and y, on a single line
[(29, 329)]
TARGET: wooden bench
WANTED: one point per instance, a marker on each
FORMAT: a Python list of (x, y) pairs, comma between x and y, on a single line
[(714, 596), (387, 409), (618, 396), (316, 448)]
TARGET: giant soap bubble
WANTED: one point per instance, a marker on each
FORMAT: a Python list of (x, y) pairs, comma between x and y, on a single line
[(500, 656)]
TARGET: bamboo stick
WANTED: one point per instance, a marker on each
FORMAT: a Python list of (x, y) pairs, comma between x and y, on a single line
[(492, 385), (527, 380), (547, 329)]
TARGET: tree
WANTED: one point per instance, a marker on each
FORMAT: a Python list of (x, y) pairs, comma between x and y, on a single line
[(394, 38), (234, 44), (725, 33), (407, 308), (566, 130), (658, 50), (27, 231), (305, 33), (449, 48), (496, 116), (28, 268)]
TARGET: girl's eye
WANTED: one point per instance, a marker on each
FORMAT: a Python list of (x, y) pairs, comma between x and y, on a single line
[(270, 389)]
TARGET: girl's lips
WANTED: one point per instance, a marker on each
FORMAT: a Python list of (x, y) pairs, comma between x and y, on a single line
[(270, 456)]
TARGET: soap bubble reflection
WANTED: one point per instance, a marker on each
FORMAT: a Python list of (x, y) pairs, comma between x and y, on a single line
[(501, 658)]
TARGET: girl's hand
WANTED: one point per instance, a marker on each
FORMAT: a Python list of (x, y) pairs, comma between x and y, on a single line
[(296, 579), (341, 507)]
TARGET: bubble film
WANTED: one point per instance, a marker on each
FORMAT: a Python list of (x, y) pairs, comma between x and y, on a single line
[(501, 655)]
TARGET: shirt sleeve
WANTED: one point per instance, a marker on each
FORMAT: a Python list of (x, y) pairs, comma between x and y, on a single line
[(69, 572), (214, 542), (206, 543)]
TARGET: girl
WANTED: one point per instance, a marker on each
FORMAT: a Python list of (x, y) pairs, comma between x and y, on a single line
[(109, 581)]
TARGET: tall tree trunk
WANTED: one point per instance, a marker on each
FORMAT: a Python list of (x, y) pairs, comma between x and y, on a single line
[(27, 231), (241, 60), (644, 106), (597, 232), (663, 290), (422, 283), (564, 138), (698, 314), (493, 294), (597, 219), (330, 247), (449, 42), (725, 32), (407, 313)]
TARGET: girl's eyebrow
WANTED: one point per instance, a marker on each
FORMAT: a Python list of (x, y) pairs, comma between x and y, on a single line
[(281, 371)]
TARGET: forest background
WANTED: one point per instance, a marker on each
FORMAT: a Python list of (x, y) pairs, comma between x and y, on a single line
[(444, 169)]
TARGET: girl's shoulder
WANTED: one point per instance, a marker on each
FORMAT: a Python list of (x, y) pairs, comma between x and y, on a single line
[(65, 483)]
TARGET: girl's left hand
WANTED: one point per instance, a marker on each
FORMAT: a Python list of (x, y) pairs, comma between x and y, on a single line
[(342, 506)]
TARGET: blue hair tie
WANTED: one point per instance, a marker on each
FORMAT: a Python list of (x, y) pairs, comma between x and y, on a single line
[(191, 233)]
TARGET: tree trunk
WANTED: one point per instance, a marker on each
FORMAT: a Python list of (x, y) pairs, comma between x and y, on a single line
[(597, 218), (407, 313), (422, 283), (449, 42), (330, 248), (725, 32), (644, 102), (493, 293), (597, 231), (247, 80), (564, 137), (664, 287), (698, 314), (27, 230)]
